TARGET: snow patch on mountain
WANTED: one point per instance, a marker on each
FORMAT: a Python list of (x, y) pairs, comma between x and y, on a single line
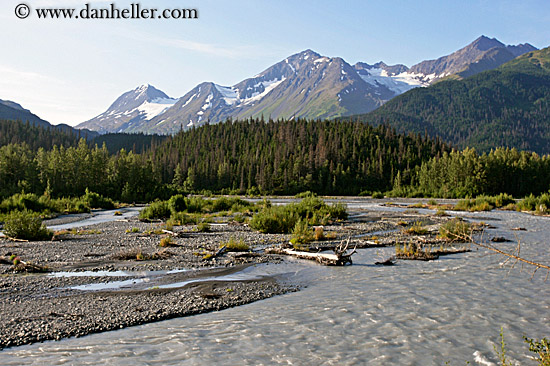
[(268, 87), (208, 103), (230, 95), (155, 107), (398, 84), (289, 64), (189, 100)]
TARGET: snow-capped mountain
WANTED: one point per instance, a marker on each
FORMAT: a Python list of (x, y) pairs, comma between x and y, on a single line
[(306, 85), (130, 109), (303, 85)]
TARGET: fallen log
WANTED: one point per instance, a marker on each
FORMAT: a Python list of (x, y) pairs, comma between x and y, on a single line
[(339, 258), (22, 266), (16, 239), (218, 253), (169, 232)]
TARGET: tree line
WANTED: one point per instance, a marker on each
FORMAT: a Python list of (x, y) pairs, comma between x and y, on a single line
[(466, 173), (274, 157)]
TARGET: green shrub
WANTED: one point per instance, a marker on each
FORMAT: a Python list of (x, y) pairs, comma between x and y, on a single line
[(195, 204), (177, 203), (306, 194), (540, 204), (221, 204), (484, 203), (377, 195), (276, 219), (95, 200), (26, 225), (282, 219), (511, 207), (182, 218), (301, 235), (156, 210), (441, 212), (70, 205), (239, 218), (541, 349), (166, 241), (413, 250), (21, 202), (236, 246), (416, 229), (203, 227), (234, 204), (503, 199), (455, 229)]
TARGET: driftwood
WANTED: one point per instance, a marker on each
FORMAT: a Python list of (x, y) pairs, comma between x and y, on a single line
[(339, 258), (499, 239), (15, 239), (177, 234), (22, 266), (245, 254), (219, 252), (388, 262), (423, 256)]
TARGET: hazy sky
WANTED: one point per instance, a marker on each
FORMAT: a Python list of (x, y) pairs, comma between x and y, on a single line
[(68, 71)]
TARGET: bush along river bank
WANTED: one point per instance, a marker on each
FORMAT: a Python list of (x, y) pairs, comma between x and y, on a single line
[(190, 255)]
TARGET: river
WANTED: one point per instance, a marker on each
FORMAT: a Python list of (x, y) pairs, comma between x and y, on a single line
[(415, 313)]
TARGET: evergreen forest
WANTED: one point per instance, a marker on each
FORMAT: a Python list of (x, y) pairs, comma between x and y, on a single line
[(255, 157)]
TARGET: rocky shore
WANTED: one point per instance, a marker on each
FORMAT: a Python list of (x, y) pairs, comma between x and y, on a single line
[(114, 275)]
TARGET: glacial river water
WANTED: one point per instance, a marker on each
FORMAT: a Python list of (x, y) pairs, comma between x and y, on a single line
[(414, 313)]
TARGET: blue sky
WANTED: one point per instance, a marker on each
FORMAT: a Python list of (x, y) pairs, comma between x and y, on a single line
[(68, 71)]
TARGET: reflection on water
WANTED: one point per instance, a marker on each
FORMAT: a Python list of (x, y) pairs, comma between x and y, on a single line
[(415, 313)]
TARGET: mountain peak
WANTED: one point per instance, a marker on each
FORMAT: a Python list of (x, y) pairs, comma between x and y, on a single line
[(149, 90), (145, 101), (305, 55), (143, 87), (484, 43), (482, 54)]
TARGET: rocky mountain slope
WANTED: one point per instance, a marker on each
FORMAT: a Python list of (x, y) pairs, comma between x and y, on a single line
[(306, 85)]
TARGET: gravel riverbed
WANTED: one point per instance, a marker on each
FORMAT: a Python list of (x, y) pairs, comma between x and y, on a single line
[(49, 306)]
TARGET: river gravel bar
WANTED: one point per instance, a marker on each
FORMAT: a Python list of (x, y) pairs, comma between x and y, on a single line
[(114, 275)]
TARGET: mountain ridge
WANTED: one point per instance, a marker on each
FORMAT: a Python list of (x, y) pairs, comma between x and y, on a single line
[(13, 111), (306, 85)]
